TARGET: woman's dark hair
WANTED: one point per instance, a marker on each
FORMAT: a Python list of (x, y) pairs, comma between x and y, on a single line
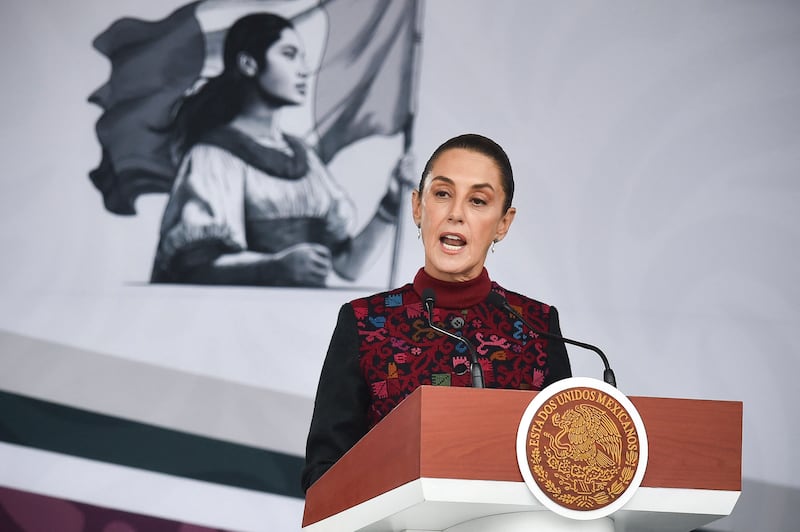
[(485, 146), (222, 97)]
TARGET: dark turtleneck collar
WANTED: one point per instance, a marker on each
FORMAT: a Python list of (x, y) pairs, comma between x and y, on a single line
[(454, 295)]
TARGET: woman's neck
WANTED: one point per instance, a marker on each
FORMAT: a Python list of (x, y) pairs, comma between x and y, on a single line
[(454, 295), (261, 122)]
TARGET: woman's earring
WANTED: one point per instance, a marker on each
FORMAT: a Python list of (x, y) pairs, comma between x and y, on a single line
[(493, 243), (419, 232)]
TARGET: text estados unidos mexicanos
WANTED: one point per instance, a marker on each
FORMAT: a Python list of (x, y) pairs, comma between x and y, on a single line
[(586, 395)]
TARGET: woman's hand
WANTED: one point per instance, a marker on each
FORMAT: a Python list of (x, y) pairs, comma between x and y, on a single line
[(403, 174), (304, 264), (401, 179)]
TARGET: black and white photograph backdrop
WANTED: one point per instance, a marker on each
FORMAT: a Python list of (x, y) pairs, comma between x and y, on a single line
[(191, 190)]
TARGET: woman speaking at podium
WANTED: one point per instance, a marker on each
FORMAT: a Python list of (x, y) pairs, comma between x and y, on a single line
[(439, 329)]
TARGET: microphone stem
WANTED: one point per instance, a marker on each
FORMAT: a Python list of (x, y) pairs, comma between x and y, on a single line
[(475, 369), (476, 372), (608, 373)]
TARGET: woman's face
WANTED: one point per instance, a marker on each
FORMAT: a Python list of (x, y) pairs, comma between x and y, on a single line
[(460, 213), (285, 77)]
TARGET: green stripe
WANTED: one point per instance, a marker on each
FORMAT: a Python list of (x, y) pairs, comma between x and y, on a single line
[(62, 429)]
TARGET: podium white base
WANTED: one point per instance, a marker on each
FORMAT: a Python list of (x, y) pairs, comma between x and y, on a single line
[(528, 521), (453, 505)]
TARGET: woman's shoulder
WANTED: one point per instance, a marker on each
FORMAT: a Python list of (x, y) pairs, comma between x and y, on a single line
[(297, 143), (396, 297), (516, 299), (315, 162), (210, 154), (289, 162), (206, 163)]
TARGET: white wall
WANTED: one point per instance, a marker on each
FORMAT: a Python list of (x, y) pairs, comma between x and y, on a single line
[(656, 148)]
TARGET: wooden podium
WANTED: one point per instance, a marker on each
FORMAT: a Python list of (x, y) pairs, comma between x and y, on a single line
[(446, 456)]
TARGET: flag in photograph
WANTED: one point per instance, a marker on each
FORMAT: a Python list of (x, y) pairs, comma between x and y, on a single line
[(152, 66), (365, 83), (364, 86)]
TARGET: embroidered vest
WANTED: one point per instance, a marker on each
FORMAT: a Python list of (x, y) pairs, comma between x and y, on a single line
[(398, 351)]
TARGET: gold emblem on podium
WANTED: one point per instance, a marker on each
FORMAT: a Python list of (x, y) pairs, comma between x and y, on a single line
[(582, 444)]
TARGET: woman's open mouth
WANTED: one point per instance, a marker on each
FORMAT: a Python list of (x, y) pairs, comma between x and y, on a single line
[(452, 242)]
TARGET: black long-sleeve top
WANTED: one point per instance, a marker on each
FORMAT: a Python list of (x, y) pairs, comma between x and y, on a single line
[(382, 349)]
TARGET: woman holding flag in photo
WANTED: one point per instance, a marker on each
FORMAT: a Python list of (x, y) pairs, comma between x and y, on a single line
[(199, 95), (251, 204)]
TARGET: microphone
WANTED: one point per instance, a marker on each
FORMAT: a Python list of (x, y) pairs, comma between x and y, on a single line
[(475, 369), (500, 302)]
